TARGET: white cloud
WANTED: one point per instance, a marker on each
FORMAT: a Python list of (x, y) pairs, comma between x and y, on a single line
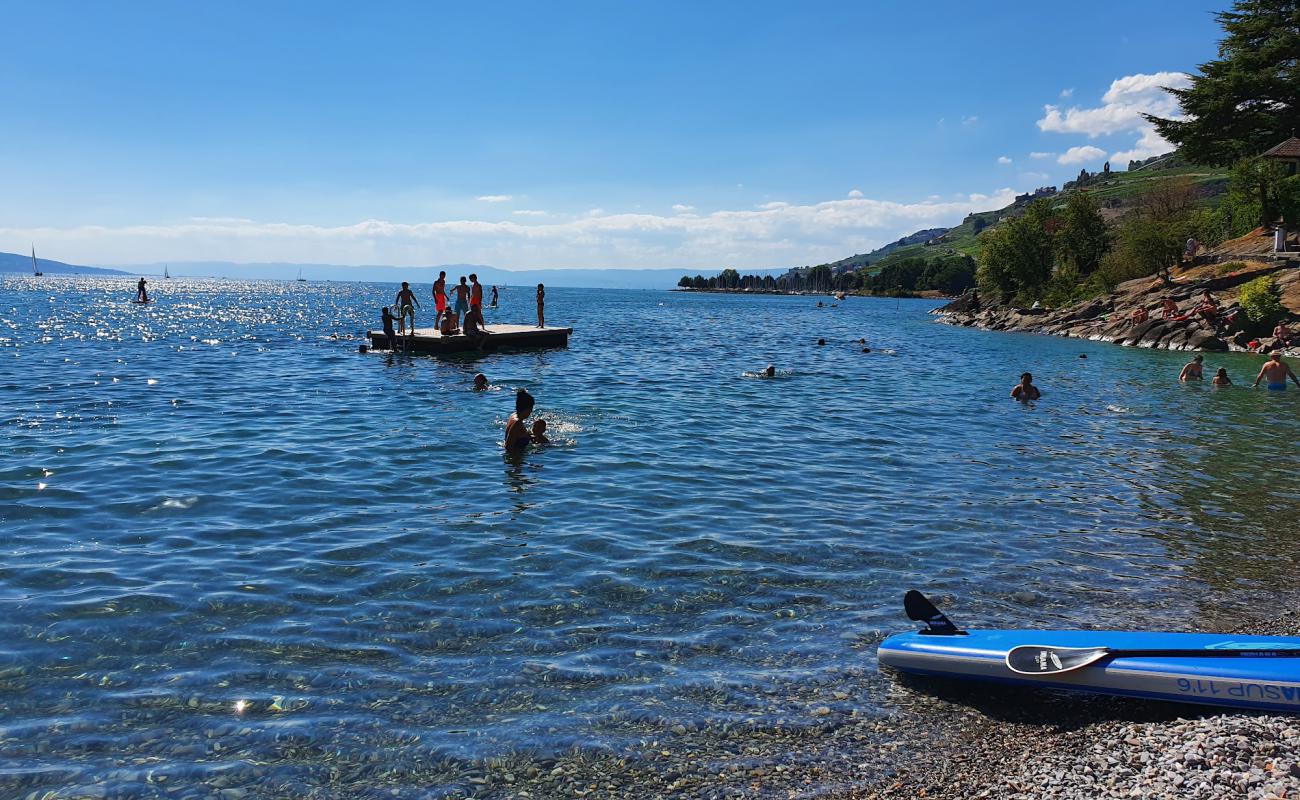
[(1081, 155), (761, 238), (1066, 94), (1004, 159), (1041, 156), (774, 205), (1121, 111), (969, 121), (682, 208), (1122, 106), (496, 198), (529, 212), (855, 193)]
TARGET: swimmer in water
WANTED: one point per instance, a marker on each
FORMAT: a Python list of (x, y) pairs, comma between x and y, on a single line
[(480, 382), (1221, 378), (1193, 370), (1276, 371), (539, 432), (517, 437), (770, 372), (1026, 390)]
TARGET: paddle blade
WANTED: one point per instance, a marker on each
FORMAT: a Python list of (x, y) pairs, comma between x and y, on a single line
[(919, 608), (1036, 659)]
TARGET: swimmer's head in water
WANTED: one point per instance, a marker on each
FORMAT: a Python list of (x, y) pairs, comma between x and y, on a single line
[(523, 403), (480, 380), (770, 371), (1199, 359), (1276, 355), (1026, 377), (539, 426), (821, 341)]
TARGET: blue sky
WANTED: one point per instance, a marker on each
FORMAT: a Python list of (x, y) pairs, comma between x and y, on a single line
[(694, 135)]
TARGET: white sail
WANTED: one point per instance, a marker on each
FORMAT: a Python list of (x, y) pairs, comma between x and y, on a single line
[(35, 269)]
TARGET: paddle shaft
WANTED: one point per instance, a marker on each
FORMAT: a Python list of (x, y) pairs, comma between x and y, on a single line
[(1175, 653)]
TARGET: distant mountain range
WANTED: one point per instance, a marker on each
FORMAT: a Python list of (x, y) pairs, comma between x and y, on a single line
[(578, 278), (15, 262)]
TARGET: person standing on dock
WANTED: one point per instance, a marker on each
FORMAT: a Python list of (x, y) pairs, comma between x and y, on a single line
[(541, 306), (440, 297), (462, 299), (405, 299), (475, 293)]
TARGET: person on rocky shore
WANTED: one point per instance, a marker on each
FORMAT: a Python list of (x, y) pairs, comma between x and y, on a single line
[(1026, 390), (1170, 308), (1194, 370), (1140, 315), (1276, 371), (1283, 335)]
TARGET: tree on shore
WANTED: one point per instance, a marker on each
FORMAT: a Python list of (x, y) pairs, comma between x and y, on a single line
[(1250, 95), (1018, 254), (1083, 237)]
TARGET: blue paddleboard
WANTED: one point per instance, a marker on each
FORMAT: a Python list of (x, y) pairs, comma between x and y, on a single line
[(1269, 683)]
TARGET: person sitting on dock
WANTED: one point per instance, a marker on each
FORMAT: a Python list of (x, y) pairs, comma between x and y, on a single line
[(474, 326), (440, 299), (517, 437), (462, 299), (1193, 370), (539, 432), (448, 327), (1276, 371), (1140, 315), (1026, 390), (387, 317), (480, 382), (541, 306), (406, 304)]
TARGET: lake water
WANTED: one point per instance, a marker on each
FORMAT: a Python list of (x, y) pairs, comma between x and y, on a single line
[(236, 551)]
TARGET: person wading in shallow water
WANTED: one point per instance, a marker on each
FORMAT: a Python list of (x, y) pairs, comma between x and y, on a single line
[(1194, 370), (1276, 371), (1026, 390), (517, 437)]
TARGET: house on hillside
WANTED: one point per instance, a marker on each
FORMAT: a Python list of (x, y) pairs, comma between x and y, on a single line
[(1287, 155)]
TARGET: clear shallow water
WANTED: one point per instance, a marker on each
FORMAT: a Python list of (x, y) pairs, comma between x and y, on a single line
[(237, 551)]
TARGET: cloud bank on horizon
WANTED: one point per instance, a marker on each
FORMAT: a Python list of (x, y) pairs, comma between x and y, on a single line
[(775, 234)]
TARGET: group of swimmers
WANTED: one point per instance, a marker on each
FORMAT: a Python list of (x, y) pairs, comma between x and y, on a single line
[(1274, 373)]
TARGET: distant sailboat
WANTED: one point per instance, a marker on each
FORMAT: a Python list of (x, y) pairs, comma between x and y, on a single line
[(301, 279), (166, 274), (35, 269)]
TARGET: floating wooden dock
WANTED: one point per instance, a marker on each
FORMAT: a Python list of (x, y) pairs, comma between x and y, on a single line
[(507, 337)]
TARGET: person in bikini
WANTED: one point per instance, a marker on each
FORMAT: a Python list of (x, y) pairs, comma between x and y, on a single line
[(1276, 371), (1193, 370), (1221, 378), (517, 437), (406, 304), (440, 298), (1026, 390)]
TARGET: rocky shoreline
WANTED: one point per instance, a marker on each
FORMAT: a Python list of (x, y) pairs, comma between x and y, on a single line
[(1109, 318)]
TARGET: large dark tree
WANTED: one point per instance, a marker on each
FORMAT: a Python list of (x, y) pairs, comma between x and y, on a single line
[(1248, 99)]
